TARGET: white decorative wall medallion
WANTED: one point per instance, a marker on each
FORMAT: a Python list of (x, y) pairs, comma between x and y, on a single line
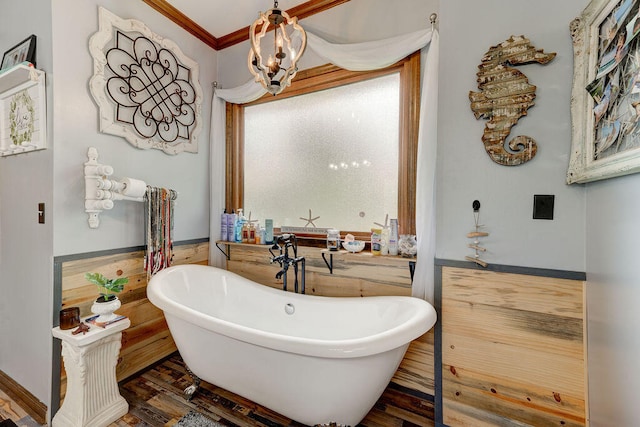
[(147, 90)]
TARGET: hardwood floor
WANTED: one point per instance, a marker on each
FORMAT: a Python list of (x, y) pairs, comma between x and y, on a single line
[(10, 410), (155, 399)]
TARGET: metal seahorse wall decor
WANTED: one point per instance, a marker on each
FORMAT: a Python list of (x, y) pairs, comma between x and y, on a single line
[(505, 96)]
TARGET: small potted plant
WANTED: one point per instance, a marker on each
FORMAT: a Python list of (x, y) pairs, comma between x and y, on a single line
[(107, 302)]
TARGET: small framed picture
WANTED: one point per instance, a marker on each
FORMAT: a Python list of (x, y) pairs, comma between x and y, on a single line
[(23, 51)]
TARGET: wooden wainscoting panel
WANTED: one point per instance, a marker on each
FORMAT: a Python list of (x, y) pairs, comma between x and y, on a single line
[(416, 370), (147, 340), (512, 349), (559, 297)]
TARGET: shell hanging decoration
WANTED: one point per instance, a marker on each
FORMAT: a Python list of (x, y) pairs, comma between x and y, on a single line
[(505, 96), (475, 235)]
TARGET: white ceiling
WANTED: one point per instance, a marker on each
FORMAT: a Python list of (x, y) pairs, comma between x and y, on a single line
[(220, 18)]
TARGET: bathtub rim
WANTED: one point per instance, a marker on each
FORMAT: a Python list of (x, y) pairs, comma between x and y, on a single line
[(422, 320)]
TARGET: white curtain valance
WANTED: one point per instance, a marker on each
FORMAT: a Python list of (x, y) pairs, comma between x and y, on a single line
[(370, 55), (365, 56)]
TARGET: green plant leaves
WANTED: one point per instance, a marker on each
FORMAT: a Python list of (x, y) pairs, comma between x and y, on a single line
[(109, 286)]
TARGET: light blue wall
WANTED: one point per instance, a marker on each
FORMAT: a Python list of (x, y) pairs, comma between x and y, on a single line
[(596, 227), (76, 129), (613, 295), (466, 173), (26, 247)]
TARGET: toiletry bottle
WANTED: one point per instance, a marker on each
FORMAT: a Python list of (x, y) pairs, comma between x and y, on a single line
[(393, 237), (258, 235), (239, 224), (223, 225), (252, 233), (245, 232), (268, 232), (263, 235), (376, 236), (384, 241), (231, 226)]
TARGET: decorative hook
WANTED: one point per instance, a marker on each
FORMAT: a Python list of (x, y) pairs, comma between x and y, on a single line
[(433, 18)]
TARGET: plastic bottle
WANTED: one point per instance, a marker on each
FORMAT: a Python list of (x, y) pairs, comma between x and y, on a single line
[(376, 236), (239, 224), (268, 233), (384, 241), (231, 226), (259, 235), (252, 233), (245, 232), (393, 237), (223, 226)]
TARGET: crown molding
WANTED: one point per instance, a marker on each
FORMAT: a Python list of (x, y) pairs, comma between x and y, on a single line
[(301, 11)]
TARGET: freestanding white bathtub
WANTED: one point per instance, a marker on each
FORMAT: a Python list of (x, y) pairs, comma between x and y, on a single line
[(313, 359)]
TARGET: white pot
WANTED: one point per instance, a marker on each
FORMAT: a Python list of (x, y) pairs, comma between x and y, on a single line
[(105, 310)]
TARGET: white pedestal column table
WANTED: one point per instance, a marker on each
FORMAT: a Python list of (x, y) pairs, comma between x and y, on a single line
[(90, 359)]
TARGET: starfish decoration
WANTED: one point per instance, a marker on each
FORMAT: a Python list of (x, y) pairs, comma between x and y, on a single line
[(309, 220), (83, 329), (250, 221), (386, 219)]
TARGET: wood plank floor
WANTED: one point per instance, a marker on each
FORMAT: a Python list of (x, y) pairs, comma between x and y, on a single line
[(10, 410), (155, 399)]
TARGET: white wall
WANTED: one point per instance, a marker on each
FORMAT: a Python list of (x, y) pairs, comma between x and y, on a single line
[(466, 173), (613, 293), (26, 247), (76, 129)]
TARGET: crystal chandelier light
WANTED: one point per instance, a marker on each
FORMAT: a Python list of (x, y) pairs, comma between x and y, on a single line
[(289, 42)]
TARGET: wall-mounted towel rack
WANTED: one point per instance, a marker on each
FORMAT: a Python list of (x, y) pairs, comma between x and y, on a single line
[(101, 191)]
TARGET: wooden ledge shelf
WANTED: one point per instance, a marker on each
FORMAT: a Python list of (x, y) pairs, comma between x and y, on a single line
[(364, 258), (227, 253), (365, 255)]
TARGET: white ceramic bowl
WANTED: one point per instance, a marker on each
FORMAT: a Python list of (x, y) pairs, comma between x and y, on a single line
[(353, 246)]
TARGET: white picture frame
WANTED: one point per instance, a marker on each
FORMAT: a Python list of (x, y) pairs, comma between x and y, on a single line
[(23, 111), (605, 127)]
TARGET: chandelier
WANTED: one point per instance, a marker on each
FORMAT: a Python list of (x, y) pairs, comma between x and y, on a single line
[(289, 42)]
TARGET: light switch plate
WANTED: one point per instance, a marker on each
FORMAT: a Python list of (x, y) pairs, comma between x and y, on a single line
[(543, 206)]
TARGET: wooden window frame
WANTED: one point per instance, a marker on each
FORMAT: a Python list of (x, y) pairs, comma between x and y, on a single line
[(326, 77)]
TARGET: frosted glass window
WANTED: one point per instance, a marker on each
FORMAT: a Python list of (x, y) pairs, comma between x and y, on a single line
[(333, 151)]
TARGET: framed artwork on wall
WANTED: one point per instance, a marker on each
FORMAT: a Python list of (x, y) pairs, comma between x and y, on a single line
[(23, 51), (23, 114), (605, 98), (146, 89)]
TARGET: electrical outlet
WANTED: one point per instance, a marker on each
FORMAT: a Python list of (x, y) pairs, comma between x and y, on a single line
[(543, 206), (40, 213)]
